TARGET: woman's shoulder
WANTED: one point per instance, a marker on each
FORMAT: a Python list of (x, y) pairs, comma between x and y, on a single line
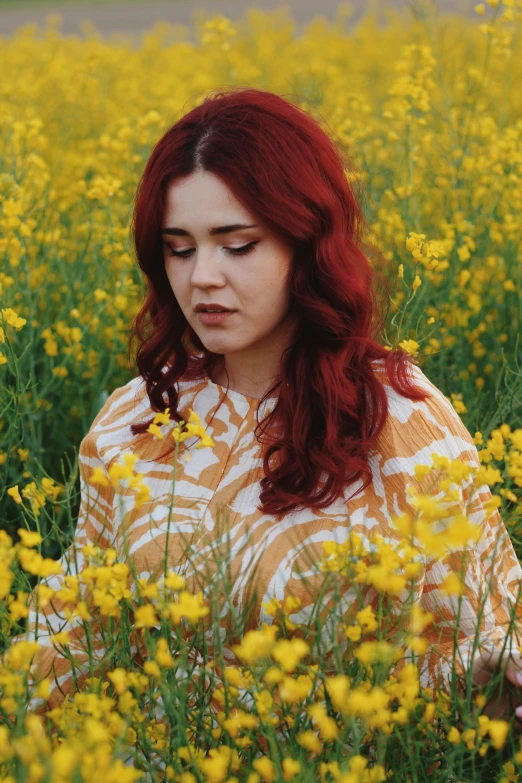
[(121, 405), (399, 402), (110, 428), (110, 431), (419, 427), (130, 403)]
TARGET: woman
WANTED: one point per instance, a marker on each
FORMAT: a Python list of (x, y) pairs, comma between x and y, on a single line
[(245, 205)]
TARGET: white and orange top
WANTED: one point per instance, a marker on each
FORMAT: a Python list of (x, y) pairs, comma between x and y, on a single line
[(270, 556)]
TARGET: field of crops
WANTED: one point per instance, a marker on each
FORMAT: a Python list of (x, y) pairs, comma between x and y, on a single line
[(430, 113)]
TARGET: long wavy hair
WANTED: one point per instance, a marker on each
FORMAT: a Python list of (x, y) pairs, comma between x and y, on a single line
[(284, 168)]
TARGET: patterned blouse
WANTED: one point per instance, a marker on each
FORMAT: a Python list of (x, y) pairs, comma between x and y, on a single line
[(269, 555)]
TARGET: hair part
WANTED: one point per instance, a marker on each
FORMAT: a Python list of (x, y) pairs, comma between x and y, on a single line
[(284, 168)]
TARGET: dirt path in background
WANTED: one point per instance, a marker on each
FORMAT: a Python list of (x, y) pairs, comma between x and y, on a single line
[(131, 19)]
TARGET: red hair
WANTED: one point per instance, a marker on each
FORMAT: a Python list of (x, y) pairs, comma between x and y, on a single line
[(284, 168)]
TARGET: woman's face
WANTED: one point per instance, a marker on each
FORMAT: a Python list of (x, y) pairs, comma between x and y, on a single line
[(244, 268)]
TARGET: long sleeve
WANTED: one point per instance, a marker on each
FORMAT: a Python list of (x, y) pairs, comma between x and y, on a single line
[(491, 571), (95, 527), (491, 581)]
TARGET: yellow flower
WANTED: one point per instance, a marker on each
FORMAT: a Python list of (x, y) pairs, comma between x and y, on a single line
[(61, 638), (179, 436), (370, 652), (50, 488), (6, 581), (265, 767), (273, 675), (35, 496), (18, 606), (70, 589), (338, 688), (152, 668), (353, 632), (457, 403), (43, 689), (214, 767), (174, 581), (421, 471), (288, 653), (256, 644), (123, 470), (291, 767), (468, 738), (264, 703), (294, 691), (80, 611), (498, 730), (162, 418), (419, 619), (44, 594), (363, 703), (29, 538), (12, 318), (366, 617), (328, 729), (98, 476), (145, 616), (156, 431), (163, 656), (15, 494), (410, 346), (189, 606), (417, 644), (310, 741), (119, 679), (35, 564), (272, 607), (148, 589), (236, 677), (462, 532), (64, 760), (20, 655), (142, 496)]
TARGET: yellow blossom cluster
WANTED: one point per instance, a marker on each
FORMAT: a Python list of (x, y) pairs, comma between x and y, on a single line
[(286, 688), (122, 474), (37, 496), (182, 430)]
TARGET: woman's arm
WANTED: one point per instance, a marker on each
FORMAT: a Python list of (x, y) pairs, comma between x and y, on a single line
[(95, 528)]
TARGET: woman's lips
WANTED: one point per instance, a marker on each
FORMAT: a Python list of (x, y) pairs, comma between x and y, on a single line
[(214, 319)]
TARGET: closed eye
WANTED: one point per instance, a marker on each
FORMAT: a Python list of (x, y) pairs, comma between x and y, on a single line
[(236, 251)]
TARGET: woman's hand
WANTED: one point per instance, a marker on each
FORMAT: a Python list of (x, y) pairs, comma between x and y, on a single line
[(482, 669)]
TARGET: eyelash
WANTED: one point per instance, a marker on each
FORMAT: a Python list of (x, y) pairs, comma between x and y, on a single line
[(235, 251)]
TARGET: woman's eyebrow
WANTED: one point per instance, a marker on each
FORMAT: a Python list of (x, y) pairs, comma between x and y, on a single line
[(180, 232)]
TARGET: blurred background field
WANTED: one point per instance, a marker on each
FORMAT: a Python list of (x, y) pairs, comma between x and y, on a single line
[(426, 105), (114, 18)]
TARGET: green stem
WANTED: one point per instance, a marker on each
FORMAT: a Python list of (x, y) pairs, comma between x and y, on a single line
[(165, 563)]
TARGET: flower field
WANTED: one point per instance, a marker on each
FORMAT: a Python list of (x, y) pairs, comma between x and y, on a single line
[(429, 111)]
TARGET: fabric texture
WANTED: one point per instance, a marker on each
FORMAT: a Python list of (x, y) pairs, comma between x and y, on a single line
[(269, 558)]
